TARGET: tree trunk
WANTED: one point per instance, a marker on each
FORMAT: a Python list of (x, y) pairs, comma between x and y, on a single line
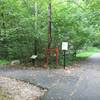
[(74, 53), (3, 24), (49, 25), (35, 27)]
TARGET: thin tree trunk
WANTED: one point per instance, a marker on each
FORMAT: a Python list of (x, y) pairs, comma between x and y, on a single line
[(3, 24), (49, 25), (35, 27)]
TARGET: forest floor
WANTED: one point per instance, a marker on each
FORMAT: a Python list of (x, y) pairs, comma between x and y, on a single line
[(11, 89), (79, 83)]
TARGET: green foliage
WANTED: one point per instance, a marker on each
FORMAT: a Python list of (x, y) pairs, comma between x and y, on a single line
[(87, 52), (4, 62), (23, 27)]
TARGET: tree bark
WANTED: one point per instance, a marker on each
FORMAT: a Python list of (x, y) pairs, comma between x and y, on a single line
[(35, 27), (49, 25)]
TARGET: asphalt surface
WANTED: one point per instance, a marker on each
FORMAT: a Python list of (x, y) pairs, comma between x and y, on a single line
[(79, 84)]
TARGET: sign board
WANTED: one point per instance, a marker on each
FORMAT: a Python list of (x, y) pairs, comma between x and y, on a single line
[(33, 57), (64, 45)]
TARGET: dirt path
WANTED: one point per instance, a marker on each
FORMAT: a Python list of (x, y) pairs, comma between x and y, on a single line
[(80, 84)]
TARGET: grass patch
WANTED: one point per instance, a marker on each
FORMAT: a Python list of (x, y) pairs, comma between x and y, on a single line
[(87, 52), (3, 62)]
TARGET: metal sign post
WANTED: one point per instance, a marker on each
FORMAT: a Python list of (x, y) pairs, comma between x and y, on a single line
[(64, 48), (64, 59)]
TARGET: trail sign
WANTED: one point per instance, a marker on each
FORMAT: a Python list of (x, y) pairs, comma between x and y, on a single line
[(64, 48), (64, 45)]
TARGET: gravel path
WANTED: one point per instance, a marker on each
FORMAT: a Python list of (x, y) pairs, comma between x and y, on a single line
[(18, 90)]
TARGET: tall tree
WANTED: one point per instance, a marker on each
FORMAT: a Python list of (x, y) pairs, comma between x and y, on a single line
[(49, 24), (35, 26)]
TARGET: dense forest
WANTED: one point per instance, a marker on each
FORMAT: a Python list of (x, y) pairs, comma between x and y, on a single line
[(24, 27)]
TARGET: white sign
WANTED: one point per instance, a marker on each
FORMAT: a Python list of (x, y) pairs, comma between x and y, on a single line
[(64, 45), (33, 57)]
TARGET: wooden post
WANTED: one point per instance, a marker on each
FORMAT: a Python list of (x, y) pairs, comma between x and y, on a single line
[(56, 56)]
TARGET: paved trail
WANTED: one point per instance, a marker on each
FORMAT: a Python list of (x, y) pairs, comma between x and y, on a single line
[(81, 84)]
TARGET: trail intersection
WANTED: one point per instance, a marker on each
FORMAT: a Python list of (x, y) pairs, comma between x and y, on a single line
[(80, 84)]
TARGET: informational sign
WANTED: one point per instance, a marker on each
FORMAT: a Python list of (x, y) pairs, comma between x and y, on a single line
[(33, 57), (64, 45)]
